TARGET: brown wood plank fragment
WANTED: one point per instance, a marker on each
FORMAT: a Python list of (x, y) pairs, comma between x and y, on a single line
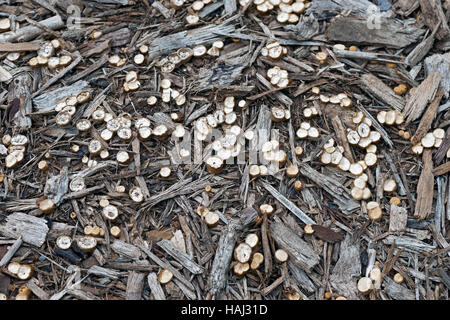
[(135, 285), (326, 234), (442, 169), (434, 14), (380, 90), (427, 118), (421, 97), (355, 30), (425, 188)]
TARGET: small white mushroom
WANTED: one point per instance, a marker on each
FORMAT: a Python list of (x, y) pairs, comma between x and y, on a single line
[(281, 255), (389, 185), (63, 242), (242, 252)]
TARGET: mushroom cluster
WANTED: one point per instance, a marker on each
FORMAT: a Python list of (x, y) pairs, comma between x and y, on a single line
[(67, 108), (390, 117), (21, 271), (363, 136), (245, 255), (334, 155), (272, 153), (278, 113), (342, 99), (131, 81), (430, 140), (117, 61), (306, 130), (289, 10), (274, 50), (94, 231), (310, 112), (229, 144), (17, 145), (211, 218), (278, 77), (169, 94), (46, 56)]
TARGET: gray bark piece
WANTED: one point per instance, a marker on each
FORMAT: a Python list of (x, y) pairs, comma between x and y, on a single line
[(135, 285), (358, 7), (301, 252), (20, 90), (355, 30), (289, 205), (155, 287), (397, 291), (180, 256), (56, 187), (48, 101), (347, 268), (440, 63), (104, 272), (126, 249), (32, 229), (224, 252), (342, 198), (409, 243), (302, 278), (30, 32), (12, 250), (398, 219)]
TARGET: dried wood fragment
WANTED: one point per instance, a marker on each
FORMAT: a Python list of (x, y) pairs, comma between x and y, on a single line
[(30, 32), (326, 234), (165, 265), (409, 243), (301, 277), (425, 190), (301, 252), (440, 63), (19, 47), (427, 118), (434, 15), (398, 218), (325, 8), (332, 187), (5, 75), (421, 97), (289, 205), (180, 256), (155, 287), (347, 269), (442, 169), (224, 252), (11, 251), (104, 272), (19, 96), (397, 291), (341, 137), (355, 30), (37, 291), (190, 38), (33, 230), (57, 186), (381, 91), (47, 101), (135, 285), (126, 249)]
